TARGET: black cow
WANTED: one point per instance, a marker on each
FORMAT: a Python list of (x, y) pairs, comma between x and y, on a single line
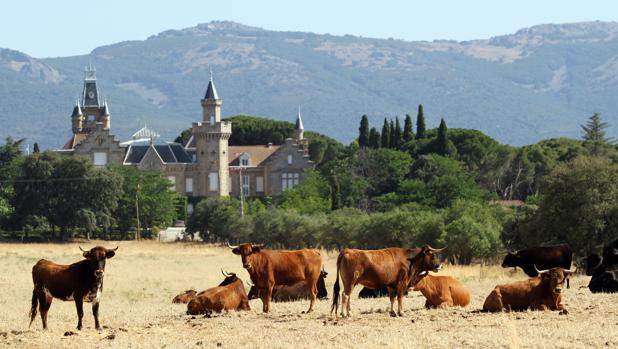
[(298, 291), (367, 292), (604, 270), (559, 256)]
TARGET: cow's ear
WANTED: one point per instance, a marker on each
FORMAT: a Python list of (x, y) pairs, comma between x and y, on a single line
[(256, 249), (110, 254), (86, 254), (236, 251)]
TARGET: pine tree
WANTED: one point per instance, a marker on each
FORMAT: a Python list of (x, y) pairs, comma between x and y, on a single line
[(36, 149), (398, 133), (374, 138), (363, 132), (420, 123), (407, 129), (442, 140), (594, 134), (393, 141), (386, 134)]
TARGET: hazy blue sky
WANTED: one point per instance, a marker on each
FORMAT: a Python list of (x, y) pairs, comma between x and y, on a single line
[(66, 27)]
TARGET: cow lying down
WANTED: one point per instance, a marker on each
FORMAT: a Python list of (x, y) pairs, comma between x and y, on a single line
[(442, 291), (229, 295), (296, 292), (185, 297), (538, 293)]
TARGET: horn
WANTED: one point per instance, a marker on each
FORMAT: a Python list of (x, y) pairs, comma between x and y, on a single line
[(259, 245), (570, 271), (540, 271), (82, 249), (436, 249), (114, 249), (230, 246), (224, 274)]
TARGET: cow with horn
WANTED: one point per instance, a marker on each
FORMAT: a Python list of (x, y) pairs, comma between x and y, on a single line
[(543, 292), (229, 295), (268, 268), (395, 268), (80, 282)]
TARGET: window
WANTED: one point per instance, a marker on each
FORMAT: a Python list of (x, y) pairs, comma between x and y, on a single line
[(100, 159), (213, 181), (259, 184), (172, 180), (212, 120), (245, 186), (290, 158), (244, 159), (189, 185), (289, 180), (190, 209)]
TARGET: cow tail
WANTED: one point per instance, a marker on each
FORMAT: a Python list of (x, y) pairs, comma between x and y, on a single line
[(35, 301), (336, 287)]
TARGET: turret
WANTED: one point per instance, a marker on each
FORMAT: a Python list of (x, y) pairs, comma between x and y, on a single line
[(77, 118), (211, 104), (106, 119), (299, 129)]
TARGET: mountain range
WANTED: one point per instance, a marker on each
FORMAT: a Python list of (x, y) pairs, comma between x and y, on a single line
[(540, 82)]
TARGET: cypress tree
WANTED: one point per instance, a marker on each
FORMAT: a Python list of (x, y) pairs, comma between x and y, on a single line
[(393, 135), (386, 134), (36, 149), (335, 195), (363, 132), (442, 140), (374, 138), (407, 129), (420, 123), (398, 134)]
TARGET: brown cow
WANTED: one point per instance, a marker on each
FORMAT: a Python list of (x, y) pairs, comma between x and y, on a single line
[(295, 292), (81, 281), (538, 293), (229, 295), (268, 269), (442, 291), (391, 267), (185, 297)]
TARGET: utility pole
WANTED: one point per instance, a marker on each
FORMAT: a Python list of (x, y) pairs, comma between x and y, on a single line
[(242, 208), (137, 233)]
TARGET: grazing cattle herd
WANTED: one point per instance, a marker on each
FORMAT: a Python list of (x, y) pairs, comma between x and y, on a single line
[(280, 276)]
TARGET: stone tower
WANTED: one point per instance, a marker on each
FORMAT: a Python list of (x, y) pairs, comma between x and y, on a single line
[(89, 111), (211, 146)]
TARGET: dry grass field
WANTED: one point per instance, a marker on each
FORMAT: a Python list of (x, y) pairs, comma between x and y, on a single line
[(136, 309)]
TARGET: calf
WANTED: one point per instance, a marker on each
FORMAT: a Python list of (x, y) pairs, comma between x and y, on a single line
[(229, 295), (80, 282), (604, 270), (298, 291), (442, 291), (542, 292), (185, 297)]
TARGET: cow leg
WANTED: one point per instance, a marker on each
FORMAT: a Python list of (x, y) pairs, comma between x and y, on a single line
[(95, 313), (391, 296), (79, 304), (400, 301), (44, 304), (345, 299), (266, 294), (313, 293)]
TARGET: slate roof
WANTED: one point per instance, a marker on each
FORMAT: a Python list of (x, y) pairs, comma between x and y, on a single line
[(211, 91)]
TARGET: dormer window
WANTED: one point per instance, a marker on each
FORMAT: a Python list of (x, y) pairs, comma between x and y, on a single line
[(290, 158), (244, 159)]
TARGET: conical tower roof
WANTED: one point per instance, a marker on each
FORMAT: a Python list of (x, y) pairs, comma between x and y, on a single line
[(211, 91)]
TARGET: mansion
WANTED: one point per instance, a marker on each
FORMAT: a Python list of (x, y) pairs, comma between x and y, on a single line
[(206, 165)]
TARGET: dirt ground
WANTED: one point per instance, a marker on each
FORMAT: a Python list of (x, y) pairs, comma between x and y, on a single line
[(140, 281)]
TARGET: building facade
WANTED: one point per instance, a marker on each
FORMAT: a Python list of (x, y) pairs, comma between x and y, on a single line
[(205, 166)]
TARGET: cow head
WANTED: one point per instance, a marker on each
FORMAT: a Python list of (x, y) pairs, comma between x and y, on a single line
[(229, 278), (97, 256), (511, 260), (245, 251), (556, 278), (426, 260), (323, 273)]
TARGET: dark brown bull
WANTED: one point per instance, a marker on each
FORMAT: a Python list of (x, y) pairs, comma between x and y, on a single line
[(80, 282), (229, 295), (538, 293), (391, 267), (185, 297), (295, 292), (545, 257), (268, 269)]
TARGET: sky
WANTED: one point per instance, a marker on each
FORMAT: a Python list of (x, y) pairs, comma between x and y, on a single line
[(47, 28)]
